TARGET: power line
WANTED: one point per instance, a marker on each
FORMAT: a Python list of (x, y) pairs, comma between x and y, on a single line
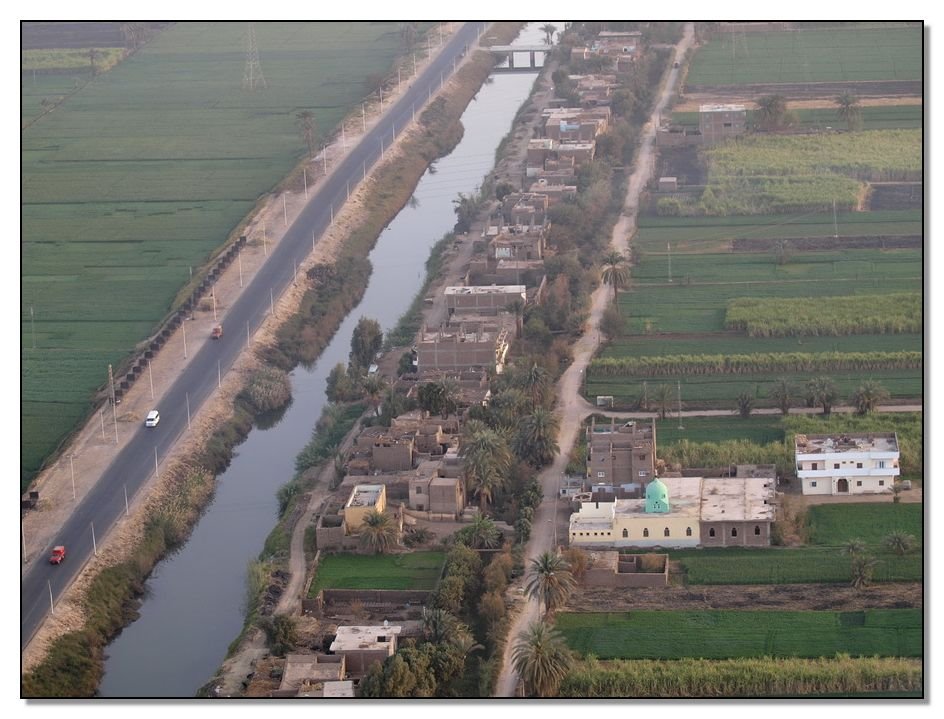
[(252, 76)]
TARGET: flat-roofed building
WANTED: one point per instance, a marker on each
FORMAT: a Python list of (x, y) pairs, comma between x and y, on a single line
[(487, 299), (619, 454), (719, 122), (843, 464), (362, 646), (364, 498), (466, 344)]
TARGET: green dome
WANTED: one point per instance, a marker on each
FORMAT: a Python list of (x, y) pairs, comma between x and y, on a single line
[(657, 497)]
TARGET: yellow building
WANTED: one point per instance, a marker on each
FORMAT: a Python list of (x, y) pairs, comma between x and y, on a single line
[(364, 498)]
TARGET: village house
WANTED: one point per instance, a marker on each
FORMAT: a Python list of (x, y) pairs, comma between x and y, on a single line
[(364, 498), (718, 123), (362, 646), (595, 90), (525, 209), (682, 512), (621, 455), (517, 244), (483, 300), (313, 676), (554, 192), (847, 463), (465, 344), (443, 498)]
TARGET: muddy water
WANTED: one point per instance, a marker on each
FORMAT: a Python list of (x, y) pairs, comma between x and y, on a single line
[(194, 605)]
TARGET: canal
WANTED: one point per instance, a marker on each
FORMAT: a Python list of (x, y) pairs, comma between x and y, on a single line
[(194, 604)]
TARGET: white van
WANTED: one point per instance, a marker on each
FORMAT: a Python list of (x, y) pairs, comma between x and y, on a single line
[(152, 419)]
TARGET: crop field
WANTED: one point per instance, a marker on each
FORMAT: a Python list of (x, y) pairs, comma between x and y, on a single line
[(416, 570), (811, 55), (689, 233), (722, 634), (800, 565), (834, 524), (761, 429), (37, 88), (874, 117), (144, 172)]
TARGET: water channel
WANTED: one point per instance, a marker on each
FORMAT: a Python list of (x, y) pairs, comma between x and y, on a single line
[(194, 604)]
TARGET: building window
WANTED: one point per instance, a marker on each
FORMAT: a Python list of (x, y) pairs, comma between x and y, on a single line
[(595, 534), (756, 531), (645, 532), (858, 465), (881, 464), (813, 483), (858, 483), (625, 534), (734, 531), (666, 532), (836, 465), (642, 458), (600, 475), (881, 483), (419, 490), (688, 531)]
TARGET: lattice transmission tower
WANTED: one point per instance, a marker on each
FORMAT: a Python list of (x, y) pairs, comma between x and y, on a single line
[(252, 76)]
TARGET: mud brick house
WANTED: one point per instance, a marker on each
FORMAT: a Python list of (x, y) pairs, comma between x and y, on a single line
[(364, 498), (482, 300), (466, 344), (847, 463), (362, 646), (621, 454), (718, 123)]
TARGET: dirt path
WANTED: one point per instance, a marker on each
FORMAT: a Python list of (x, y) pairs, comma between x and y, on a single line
[(571, 407), (105, 434)]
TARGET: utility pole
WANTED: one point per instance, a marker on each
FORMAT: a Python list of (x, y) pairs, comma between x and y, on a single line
[(101, 416), (271, 302), (52, 607), (294, 272), (188, 409), (364, 116), (239, 259), (72, 469), (157, 471), (252, 76), (668, 248), (127, 509), (219, 373), (305, 176), (324, 158), (151, 379), (284, 211), (184, 327), (265, 249), (381, 149), (679, 383), (213, 297)]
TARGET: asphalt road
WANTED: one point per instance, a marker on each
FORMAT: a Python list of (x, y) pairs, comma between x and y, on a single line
[(134, 465)]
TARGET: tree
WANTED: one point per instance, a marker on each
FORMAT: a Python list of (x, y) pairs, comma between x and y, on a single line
[(438, 625), (548, 29), (783, 393), (407, 674), (486, 460), (366, 341), (771, 111), (868, 396), (541, 659), (306, 126), (378, 534), (281, 633), (663, 398), (822, 391), (536, 440), (901, 543), (537, 384), (374, 387), (502, 189), (93, 53), (745, 404), (612, 324), (615, 273), (550, 581), (483, 534), (339, 387), (863, 567), (853, 547), (466, 207), (897, 489), (849, 110)]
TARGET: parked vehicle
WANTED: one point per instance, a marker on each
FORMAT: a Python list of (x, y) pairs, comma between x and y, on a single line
[(58, 554), (152, 418)]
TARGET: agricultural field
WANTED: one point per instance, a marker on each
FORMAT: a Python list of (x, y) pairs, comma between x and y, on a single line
[(724, 634), (790, 565), (835, 524), (809, 55), (873, 117), (416, 570), (147, 170), (761, 430)]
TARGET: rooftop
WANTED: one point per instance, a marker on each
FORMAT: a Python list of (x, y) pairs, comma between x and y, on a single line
[(486, 290), (365, 495), (715, 107), (352, 639), (737, 499), (838, 443)]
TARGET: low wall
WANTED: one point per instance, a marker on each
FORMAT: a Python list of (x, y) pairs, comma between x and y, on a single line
[(607, 577), (368, 597)]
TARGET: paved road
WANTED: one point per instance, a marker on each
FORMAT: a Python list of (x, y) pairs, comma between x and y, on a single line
[(135, 464), (571, 407)]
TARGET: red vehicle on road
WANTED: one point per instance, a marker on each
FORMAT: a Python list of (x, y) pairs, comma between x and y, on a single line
[(58, 554), (217, 332)]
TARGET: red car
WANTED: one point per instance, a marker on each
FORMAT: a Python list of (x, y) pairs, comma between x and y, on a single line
[(58, 554)]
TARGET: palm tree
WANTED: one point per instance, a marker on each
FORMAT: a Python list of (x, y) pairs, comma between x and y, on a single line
[(378, 534), (536, 440), (541, 659), (663, 398), (548, 31), (862, 569), (822, 391), (745, 403), (550, 581), (438, 625), (783, 394), (849, 110), (771, 110), (901, 543), (537, 382), (484, 534), (450, 393), (486, 460), (615, 273), (868, 396), (853, 547), (374, 387)]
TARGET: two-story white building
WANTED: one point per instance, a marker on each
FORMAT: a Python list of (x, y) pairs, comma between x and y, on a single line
[(847, 463)]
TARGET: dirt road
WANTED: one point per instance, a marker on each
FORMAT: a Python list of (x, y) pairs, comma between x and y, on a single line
[(571, 406)]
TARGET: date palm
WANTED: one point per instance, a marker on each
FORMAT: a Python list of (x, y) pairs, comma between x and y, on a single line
[(550, 581), (536, 441), (849, 110), (663, 399), (783, 393), (486, 460), (541, 659), (378, 535), (615, 273), (548, 31), (868, 396), (771, 111), (863, 568), (537, 382), (901, 543), (822, 391)]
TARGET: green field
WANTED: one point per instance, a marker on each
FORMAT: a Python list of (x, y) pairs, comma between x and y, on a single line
[(722, 634), (147, 170), (760, 429), (834, 524), (814, 55), (802, 565), (693, 233), (880, 117), (417, 570)]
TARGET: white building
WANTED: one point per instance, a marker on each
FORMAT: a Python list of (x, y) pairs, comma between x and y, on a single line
[(847, 463)]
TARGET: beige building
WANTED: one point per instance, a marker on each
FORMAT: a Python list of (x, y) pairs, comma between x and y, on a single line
[(465, 344), (364, 498), (362, 646), (681, 512), (621, 454), (488, 299), (717, 122), (847, 463)]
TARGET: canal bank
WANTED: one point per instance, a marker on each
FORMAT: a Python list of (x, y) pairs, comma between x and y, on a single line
[(196, 606)]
